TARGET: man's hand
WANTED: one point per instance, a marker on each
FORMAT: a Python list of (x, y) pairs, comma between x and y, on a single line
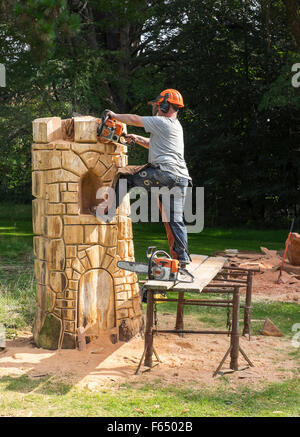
[(111, 114), (138, 139), (131, 137)]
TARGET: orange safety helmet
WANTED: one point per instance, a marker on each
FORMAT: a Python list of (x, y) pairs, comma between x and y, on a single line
[(166, 97)]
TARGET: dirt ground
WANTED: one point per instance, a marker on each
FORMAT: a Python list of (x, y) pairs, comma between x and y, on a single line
[(265, 287), (191, 359)]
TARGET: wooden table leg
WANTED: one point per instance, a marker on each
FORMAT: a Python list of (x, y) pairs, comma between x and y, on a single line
[(247, 311), (149, 327), (234, 353), (180, 310)]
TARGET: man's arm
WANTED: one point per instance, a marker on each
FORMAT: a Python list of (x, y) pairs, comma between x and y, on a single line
[(142, 141), (131, 119)]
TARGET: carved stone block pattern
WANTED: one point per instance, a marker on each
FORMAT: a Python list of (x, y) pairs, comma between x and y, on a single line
[(78, 281)]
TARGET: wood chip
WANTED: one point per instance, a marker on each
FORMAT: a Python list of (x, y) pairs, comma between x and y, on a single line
[(268, 252), (285, 278), (39, 375), (98, 351)]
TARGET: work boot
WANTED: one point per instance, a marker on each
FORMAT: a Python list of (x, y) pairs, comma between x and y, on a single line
[(183, 264)]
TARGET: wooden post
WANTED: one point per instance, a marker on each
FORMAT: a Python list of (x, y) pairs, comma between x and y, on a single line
[(180, 309), (247, 311), (234, 353), (149, 327)]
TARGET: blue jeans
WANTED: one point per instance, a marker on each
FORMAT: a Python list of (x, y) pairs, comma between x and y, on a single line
[(174, 225)]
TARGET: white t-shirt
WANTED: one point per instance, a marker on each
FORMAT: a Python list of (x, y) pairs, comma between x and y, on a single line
[(166, 144)]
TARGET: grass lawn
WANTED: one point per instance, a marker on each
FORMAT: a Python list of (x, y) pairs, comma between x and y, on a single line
[(210, 240), (22, 396)]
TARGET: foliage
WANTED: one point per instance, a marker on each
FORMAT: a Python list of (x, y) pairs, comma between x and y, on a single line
[(231, 60)]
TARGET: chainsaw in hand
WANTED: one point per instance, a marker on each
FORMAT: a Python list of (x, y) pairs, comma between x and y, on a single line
[(160, 267), (112, 131)]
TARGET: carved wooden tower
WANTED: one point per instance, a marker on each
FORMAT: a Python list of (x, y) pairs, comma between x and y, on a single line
[(78, 281)]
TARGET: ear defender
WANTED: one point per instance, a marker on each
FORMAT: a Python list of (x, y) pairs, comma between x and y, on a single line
[(165, 105)]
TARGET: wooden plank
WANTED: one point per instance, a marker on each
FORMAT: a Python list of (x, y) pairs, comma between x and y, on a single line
[(202, 267), (203, 274), (197, 260), (159, 285)]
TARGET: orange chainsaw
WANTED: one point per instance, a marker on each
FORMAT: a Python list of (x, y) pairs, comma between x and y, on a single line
[(160, 267), (110, 130)]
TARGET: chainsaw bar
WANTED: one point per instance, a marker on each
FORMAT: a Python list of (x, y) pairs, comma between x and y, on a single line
[(142, 268), (133, 266)]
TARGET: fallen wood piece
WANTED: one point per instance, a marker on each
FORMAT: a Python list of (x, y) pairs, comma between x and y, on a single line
[(270, 329), (286, 248), (228, 251), (293, 252), (39, 375), (252, 264), (284, 278), (81, 338), (98, 351), (293, 279), (268, 252), (264, 263), (287, 267), (253, 257), (81, 333)]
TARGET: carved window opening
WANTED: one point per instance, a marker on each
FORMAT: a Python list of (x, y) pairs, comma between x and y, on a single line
[(89, 185)]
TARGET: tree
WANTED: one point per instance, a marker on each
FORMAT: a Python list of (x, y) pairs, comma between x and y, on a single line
[(230, 59), (293, 12)]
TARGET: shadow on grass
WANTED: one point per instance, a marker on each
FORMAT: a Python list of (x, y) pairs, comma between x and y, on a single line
[(23, 383)]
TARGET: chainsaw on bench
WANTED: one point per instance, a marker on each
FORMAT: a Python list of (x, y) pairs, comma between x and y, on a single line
[(110, 130), (160, 267)]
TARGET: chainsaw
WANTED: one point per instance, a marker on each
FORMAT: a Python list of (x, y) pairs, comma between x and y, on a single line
[(160, 267), (110, 130)]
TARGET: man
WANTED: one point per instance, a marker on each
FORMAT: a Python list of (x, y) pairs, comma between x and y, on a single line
[(167, 167)]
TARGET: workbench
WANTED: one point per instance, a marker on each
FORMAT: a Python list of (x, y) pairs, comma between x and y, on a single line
[(211, 276)]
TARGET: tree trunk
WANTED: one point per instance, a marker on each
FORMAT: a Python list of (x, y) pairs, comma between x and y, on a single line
[(292, 7)]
